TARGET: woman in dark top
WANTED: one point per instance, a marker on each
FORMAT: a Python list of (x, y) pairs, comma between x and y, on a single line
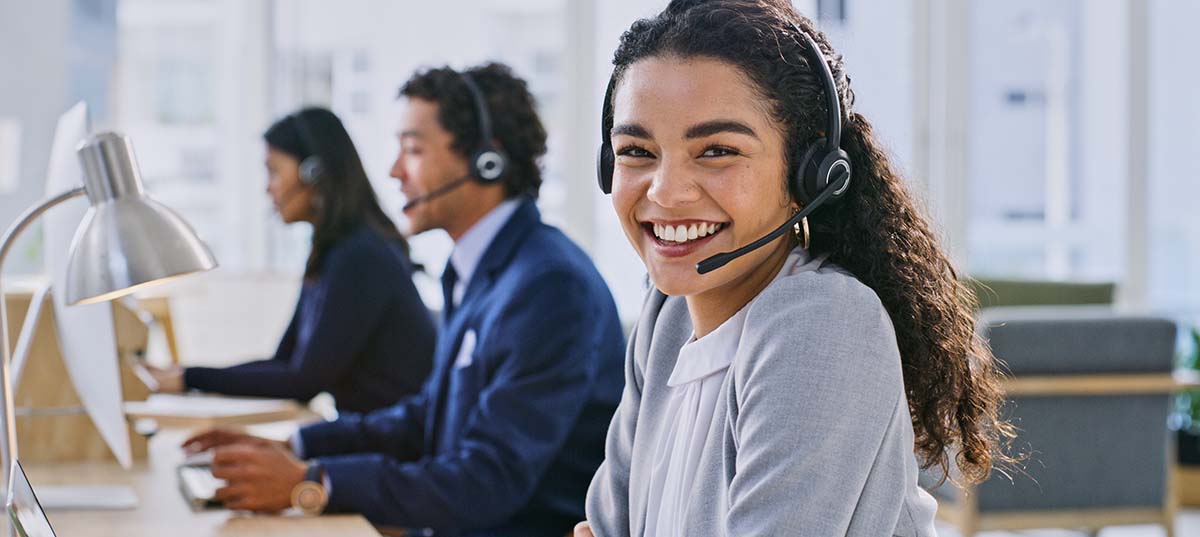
[(360, 330)]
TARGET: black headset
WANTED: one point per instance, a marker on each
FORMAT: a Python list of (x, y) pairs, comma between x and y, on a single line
[(487, 162), (312, 168), (822, 175)]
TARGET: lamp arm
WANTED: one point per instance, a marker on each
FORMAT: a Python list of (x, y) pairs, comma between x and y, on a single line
[(14, 230)]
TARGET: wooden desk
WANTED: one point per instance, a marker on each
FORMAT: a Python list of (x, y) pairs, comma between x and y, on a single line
[(1102, 384), (161, 508)]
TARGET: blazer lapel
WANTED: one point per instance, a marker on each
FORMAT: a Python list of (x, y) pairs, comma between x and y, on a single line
[(450, 335), (499, 253)]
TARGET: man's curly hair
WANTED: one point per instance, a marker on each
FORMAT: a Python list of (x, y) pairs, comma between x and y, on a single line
[(515, 124)]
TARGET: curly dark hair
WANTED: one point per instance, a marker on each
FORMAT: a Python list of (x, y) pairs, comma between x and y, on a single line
[(515, 123), (876, 232), (348, 201)]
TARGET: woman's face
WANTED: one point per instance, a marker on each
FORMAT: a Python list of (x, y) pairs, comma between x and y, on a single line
[(699, 171), (293, 199)]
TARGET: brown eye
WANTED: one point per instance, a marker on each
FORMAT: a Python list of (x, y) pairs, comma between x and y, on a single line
[(719, 151), (633, 151)]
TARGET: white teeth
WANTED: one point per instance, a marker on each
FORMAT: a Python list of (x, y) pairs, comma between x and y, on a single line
[(682, 234)]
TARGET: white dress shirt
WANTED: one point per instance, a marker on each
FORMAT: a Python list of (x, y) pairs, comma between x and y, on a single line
[(470, 247)]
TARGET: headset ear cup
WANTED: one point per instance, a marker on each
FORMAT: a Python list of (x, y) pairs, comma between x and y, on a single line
[(835, 172), (604, 168), (488, 164), (803, 180), (311, 170)]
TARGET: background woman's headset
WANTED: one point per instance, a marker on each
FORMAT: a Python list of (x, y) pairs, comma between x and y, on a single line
[(312, 168), (822, 175)]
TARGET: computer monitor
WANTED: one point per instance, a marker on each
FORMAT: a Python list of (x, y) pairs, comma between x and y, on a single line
[(24, 510)]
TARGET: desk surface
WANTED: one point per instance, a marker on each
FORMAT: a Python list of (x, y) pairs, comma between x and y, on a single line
[(161, 508)]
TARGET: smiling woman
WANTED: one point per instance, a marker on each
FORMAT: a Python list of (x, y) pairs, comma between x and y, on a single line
[(784, 392)]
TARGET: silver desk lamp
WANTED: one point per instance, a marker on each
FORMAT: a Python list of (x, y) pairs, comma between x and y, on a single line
[(125, 241)]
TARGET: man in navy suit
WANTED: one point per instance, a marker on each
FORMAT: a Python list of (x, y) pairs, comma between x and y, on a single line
[(508, 430)]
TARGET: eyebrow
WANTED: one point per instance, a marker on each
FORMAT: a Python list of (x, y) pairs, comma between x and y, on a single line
[(409, 134), (631, 129), (709, 128)]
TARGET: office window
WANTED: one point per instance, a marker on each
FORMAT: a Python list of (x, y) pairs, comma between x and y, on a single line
[(170, 73), (188, 87), (831, 11), (1046, 162)]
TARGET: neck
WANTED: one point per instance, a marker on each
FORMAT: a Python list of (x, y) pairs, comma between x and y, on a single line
[(470, 214), (711, 308)]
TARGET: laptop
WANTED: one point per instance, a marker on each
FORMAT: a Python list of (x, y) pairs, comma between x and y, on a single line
[(26, 514)]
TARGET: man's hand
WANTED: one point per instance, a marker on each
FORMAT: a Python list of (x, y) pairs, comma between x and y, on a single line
[(215, 438), (259, 477), (583, 529)]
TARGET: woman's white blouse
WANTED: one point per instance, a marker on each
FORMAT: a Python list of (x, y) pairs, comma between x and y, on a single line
[(694, 385)]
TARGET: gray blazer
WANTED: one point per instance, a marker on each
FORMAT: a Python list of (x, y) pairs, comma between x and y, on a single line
[(811, 434)]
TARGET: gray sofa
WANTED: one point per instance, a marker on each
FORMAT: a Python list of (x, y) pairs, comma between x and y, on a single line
[(1090, 391)]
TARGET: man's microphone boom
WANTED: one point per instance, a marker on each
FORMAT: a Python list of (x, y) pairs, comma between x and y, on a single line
[(437, 193)]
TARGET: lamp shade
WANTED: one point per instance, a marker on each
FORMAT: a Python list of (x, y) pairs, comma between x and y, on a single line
[(126, 240)]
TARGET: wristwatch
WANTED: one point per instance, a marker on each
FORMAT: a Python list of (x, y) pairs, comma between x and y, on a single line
[(309, 496)]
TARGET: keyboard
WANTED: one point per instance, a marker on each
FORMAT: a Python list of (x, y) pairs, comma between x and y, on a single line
[(199, 487)]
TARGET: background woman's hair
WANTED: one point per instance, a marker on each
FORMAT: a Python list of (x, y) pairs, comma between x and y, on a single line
[(515, 123), (876, 232), (347, 200)]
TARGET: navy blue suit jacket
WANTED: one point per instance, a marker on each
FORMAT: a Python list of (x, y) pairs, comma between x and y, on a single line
[(360, 332), (505, 435)]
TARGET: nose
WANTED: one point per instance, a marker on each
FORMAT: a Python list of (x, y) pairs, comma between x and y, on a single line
[(672, 185), (397, 171)]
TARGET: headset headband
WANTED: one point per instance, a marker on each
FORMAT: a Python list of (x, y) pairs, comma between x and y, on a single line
[(833, 106), (481, 110)]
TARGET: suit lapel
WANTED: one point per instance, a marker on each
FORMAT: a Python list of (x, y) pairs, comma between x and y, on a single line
[(450, 335), (503, 246)]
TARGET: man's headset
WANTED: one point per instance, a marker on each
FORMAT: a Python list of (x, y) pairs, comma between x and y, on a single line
[(823, 174), (486, 163)]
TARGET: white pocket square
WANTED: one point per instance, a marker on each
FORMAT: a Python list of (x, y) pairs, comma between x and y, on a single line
[(465, 350)]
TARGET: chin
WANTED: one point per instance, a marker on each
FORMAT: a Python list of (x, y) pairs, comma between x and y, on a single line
[(680, 279), (417, 225)]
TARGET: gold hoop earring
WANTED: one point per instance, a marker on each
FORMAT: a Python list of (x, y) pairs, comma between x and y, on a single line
[(801, 230)]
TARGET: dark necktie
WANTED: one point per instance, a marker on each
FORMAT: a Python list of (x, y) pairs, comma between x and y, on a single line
[(449, 278)]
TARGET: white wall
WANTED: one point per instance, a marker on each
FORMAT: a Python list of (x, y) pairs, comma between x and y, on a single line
[(1174, 249)]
